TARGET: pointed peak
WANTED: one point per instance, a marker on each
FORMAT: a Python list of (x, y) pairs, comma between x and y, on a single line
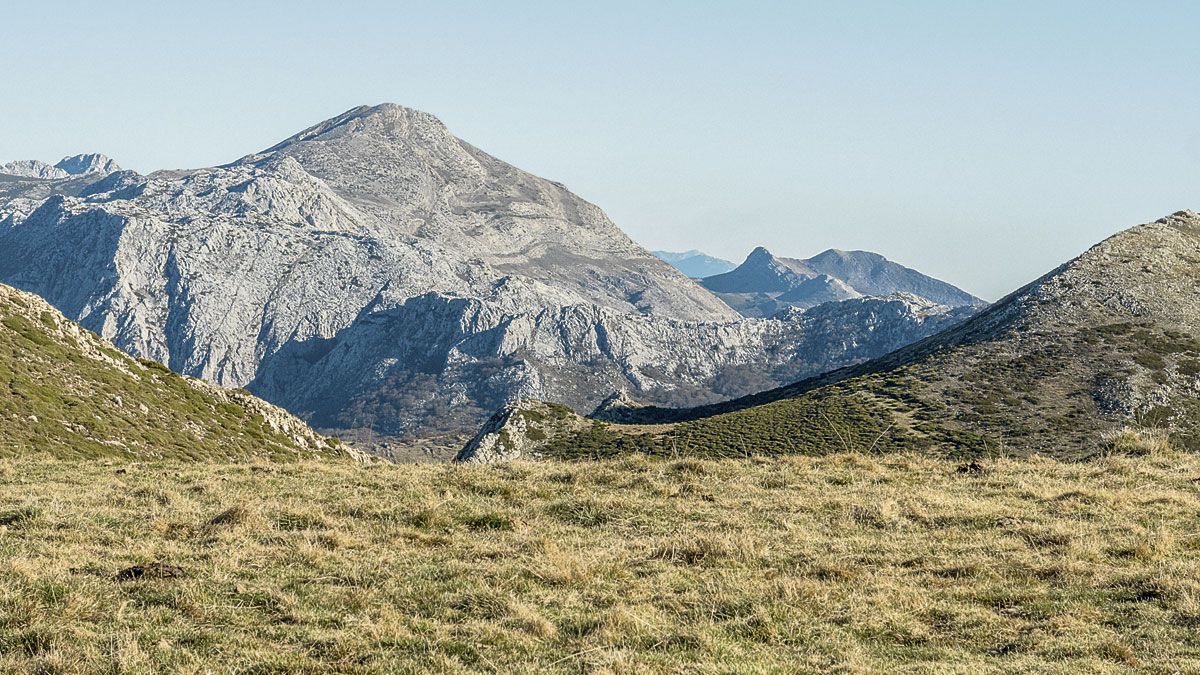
[(760, 254)]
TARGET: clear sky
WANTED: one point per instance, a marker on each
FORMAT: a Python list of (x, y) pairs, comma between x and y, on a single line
[(981, 142)]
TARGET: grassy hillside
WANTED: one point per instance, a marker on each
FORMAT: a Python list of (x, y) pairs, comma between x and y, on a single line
[(848, 562), (1105, 341), (67, 393)]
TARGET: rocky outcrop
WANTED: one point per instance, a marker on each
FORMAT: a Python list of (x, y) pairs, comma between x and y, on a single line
[(517, 432), (618, 407), (86, 165), (32, 168)]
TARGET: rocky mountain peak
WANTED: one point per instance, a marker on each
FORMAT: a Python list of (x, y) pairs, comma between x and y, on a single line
[(81, 165), (759, 255), (409, 176), (839, 255)]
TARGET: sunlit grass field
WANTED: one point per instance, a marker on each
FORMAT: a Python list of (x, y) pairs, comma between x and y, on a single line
[(845, 563)]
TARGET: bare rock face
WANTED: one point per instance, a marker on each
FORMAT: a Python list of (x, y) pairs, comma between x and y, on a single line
[(404, 170), (375, 271), (90, 164)]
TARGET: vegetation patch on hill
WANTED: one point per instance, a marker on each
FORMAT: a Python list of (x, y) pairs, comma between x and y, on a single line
[(67, 393)]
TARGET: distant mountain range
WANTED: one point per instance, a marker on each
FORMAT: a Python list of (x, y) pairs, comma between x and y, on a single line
[(764, 284), (374, 271), (1107, 340), (695, 264), (78, 165)]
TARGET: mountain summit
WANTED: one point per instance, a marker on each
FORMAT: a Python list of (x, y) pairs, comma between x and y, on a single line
[(407, 172), (82, 165)]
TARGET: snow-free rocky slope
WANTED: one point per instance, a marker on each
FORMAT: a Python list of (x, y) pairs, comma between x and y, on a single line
[(764, 283), (1105, 341), (375, 271), (67, 393)]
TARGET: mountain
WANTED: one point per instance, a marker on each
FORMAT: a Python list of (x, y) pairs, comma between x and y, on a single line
[(763, 284), (375, 271), (1107, 340), (695, 264), (65, 392)]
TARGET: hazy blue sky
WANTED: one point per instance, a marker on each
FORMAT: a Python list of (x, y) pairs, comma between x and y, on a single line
[(980, 142)]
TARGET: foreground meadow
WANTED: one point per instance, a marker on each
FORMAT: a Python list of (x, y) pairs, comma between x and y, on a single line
[(849, 562)]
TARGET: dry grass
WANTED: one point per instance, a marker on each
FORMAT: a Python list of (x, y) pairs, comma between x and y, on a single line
[(843, 563)]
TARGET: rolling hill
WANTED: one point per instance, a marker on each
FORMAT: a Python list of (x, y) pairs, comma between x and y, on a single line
[(67, 393)]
